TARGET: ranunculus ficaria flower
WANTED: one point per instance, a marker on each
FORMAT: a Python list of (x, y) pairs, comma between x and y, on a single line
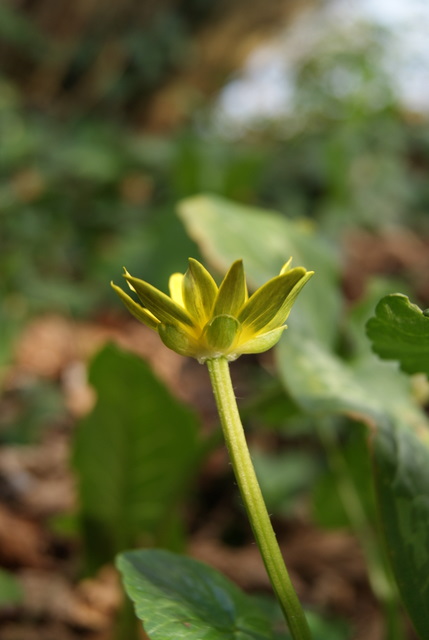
[(204, 321)]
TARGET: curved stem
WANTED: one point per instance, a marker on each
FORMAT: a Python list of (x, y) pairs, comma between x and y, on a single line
[(253, 499)]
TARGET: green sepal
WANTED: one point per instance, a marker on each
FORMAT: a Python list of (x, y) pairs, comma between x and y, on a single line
[(199, 291), (264, 305), (262, 342), (136, 309), (220, 333), (161, 305), (232, 291), (178, 340)]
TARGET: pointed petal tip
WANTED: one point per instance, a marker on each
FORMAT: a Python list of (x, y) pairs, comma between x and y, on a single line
[(286, 266), (115, 287), (192, 261), (232, 291), (128, 277), (239, 262)]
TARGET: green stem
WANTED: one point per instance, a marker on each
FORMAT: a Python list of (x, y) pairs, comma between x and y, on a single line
[(253, 499)]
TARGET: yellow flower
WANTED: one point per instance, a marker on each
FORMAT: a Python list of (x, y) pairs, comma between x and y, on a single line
[(204, 321)]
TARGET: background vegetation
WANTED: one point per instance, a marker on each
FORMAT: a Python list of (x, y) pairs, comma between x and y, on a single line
[(110, 115)]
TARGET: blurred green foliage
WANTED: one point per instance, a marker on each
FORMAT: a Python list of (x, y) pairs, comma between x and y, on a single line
[(78, 196), (29, 411), (10, 590), (108, 59), (85, 188), (81, 193), (134, 456)]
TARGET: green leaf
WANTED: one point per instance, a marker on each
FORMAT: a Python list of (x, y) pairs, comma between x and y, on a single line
[(178, 597), (381, 396), (283, 478), (10, 589), (19, 30), (134, 455), (329, 491), (400, 331), (11, 322), (321, 383), (401, 465), (321, 628), (361, 311), (327, 629), (264, 239)]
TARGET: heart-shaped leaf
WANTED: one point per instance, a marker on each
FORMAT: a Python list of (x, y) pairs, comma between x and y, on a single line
[(179, 598), (133, 454)]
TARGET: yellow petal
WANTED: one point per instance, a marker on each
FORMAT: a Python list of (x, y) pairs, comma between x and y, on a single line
[(268, 300), (286, 266), (232, 291), (161, 305), (175, 285), (127, 273), (283, 313), (199, 292), (143, 315)]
